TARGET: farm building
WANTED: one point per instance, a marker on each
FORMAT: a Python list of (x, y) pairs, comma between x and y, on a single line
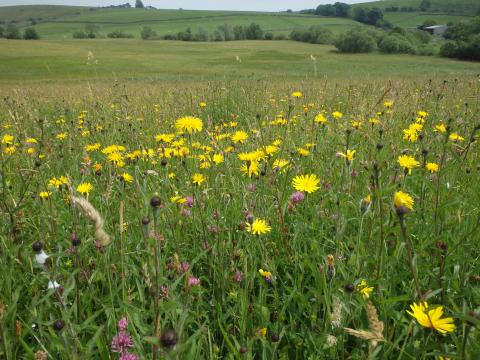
[(436, 29)]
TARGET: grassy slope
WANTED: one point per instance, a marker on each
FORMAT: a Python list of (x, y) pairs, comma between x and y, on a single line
[(465, 7), (66, 60), (165, 21), (23, 13)]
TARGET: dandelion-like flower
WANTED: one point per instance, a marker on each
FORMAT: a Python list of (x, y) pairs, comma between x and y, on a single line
[(85, 188), (431, 167), (198, 179), (403, 199), (349, 154), (189, 124), (431, 317), (258, 227), (306, 183), (364, 289), (408, 162)]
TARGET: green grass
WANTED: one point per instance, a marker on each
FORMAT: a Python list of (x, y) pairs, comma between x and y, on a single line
[(66, 60), (318, 251)]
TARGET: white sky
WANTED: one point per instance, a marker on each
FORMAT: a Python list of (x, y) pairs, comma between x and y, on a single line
[(259, 5)]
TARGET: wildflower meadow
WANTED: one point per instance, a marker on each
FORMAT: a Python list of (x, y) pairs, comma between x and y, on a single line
[(244, 219)]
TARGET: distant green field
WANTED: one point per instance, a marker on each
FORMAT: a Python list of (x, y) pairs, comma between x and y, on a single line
[(466, 7), (62, 22), (66, 61), (409, 20)]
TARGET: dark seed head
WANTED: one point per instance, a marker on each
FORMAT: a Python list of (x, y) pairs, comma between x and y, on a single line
[(243, 349), (441, 245), (379, 146), (169, 338), (349, 288), (275, 337), (164, 162), (75, 240), (145, 221), (37, 247), (58, 325), (402, 210), (155, 201)]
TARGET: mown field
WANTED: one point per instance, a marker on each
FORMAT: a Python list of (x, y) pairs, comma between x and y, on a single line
[(240, 219), (25, 62)]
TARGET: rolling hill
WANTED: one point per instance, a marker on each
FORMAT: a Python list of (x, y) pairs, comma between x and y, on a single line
[(63, 22)]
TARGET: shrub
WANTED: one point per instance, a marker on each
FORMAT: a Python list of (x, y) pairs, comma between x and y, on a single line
[(254, 32), (315, 35), (280, 37), (30, 34), (269, 36), (147, 33), (356, 41), (396, 44), (119, 35), (12, 32), (2, 31), (80, 35)]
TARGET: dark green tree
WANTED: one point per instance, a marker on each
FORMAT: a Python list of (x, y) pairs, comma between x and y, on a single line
[(30, 34)]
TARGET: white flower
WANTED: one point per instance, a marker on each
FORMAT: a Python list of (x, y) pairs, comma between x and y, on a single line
[(52, 285), (41, 257)]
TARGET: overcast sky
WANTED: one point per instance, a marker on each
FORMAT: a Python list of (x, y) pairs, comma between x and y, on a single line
[(260, 5)]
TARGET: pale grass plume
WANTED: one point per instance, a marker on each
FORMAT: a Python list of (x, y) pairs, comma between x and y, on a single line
[(87, 209), (375, 333)]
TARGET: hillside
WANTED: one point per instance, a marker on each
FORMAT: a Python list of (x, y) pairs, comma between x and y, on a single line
[(62, 23), (458, 7)]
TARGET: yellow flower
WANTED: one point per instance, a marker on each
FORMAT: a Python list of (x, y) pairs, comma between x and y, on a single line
[(189, 124), (281, 164), (92, 147), (198, 179), (356, 124), (97, 167), (239, 137), (84, 188), (364, 289), (9, 150), (303, 152), (250, 168), (388, 104), (57, 182), (166, 138), (202, 104), (44, 194), (62, 136), (262, 333), (410, 134), (408, 162), (265, 274), (422, 114), (431, 317), (218, 159), (337, 114), (455, 137), (31, 141), (320, 118), (349, 155), (403, 199), (7, 139), (297, 94), (258, 227), (431, 167), (306, 183), (178, 199), (440, 128), (126, 177)]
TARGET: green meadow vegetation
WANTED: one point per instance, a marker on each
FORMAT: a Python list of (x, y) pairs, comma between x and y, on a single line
[(248, 199)]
